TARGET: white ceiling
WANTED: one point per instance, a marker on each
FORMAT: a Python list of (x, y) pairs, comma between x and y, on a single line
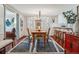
[(46, 9)]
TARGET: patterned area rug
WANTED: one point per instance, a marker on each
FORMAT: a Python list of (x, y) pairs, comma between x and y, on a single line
[(48, 48), (24, 48)]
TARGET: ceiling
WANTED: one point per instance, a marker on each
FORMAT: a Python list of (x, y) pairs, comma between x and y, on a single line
[(46, 9)]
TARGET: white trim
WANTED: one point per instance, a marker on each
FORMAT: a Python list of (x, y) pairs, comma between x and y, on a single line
[(55, 46), (57, 43)]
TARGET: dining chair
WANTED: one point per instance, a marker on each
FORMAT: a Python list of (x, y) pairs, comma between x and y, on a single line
[(29, 37), (48, 35), (48, 38)]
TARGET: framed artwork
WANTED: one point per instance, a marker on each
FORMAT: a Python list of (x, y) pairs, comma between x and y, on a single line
[(38, 24), (10, 22), (21, 24)]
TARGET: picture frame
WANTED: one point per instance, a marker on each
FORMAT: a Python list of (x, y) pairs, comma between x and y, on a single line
[(21, 24), (38, 24)]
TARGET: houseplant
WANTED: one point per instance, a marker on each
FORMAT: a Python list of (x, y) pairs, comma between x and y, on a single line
[(70, 17)]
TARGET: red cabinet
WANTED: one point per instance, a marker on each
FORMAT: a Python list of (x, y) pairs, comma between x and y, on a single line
[(75, 42), (59, 37), (71, 43), (68, 41)]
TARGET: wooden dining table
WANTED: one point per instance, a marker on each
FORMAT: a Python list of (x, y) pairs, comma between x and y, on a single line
[(39, 33)]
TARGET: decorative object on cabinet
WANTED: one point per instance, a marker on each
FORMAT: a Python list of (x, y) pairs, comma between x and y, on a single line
[(70, 16)]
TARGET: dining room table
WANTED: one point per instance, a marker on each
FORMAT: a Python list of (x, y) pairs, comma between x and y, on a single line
[(39, 33)]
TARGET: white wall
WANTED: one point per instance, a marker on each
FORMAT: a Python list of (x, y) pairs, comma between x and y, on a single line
[(1, 22), (61, 20), (22, 29), (31, 22)]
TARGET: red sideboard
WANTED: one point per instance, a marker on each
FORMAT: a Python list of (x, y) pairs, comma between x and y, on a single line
[(69, 42)]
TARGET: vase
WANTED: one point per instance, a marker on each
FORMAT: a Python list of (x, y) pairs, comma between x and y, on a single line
[(70, 25)]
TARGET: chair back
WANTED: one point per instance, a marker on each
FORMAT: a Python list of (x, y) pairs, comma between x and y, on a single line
[(48, 32), (28, 32), (48, 36)]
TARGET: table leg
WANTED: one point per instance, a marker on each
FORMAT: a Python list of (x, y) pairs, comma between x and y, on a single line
[(33, 40), (44, 40)]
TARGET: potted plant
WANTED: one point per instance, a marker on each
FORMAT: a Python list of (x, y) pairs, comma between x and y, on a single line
[(70, 16)]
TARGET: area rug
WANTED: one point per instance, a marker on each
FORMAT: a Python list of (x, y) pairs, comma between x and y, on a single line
[(24, 48), (49, 47)]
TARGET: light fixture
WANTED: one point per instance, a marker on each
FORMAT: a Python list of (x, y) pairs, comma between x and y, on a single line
[(38, 22), (39, 15)]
